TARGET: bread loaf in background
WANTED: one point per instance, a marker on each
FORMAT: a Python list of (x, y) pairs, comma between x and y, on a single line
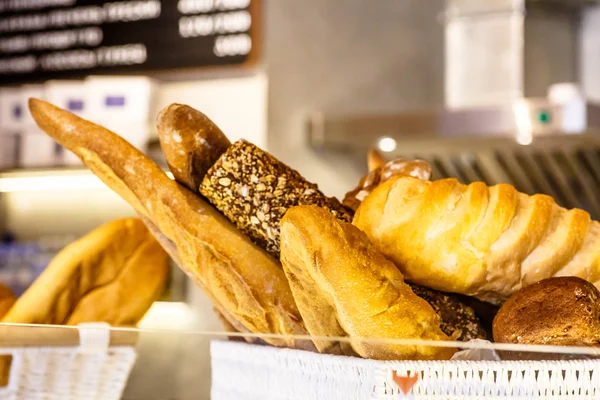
[(476, 240), (344, 287), (380, 171), (459, 319), (113, 275)]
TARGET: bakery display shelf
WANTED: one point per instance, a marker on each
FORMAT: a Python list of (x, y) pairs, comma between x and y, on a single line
[(58, 178), (202, 364)]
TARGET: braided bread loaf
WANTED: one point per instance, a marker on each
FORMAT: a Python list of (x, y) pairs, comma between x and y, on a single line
[(476, 240)]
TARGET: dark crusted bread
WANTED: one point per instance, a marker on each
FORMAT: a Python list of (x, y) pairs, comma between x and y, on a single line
[(254, 190), (458, 320), (555, 311)]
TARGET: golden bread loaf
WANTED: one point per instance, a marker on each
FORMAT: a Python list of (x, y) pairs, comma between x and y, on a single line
[(459, 320), (112, 275), (345, 287), (7, 300), (244, 283), (562, 311), (476, 240), (191, 143)]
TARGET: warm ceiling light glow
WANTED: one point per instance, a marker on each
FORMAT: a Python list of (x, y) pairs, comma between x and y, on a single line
[(46, 183), (524, 131), (167, 315), (34, 182), (387, 144)]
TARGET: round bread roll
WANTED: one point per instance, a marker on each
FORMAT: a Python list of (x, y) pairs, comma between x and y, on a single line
[(563, 311), (112, 275), (191, 143)]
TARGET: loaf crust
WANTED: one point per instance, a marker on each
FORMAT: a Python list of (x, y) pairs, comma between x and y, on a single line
[(561, 311), (375, 160), (345, 287), (191, 143), (457, 319), (381, 173), (476, 240), (245, 284), (254, 190), (113, 274)]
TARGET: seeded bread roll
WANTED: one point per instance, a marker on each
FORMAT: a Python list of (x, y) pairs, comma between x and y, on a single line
[(254, 190), (191, 143)]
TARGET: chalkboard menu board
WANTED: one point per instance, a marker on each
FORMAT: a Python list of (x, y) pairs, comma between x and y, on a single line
[(53, 39)]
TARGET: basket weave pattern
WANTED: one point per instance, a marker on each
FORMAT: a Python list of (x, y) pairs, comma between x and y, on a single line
[(250, 372), (93, 370), (67, 374)]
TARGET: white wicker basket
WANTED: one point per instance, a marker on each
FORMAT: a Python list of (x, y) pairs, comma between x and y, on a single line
[(249, 372), (92, 370)]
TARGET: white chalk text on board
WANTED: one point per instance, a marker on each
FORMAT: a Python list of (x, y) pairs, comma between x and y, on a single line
[(45, 39)]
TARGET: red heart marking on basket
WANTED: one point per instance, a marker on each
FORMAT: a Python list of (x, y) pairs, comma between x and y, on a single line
[(405, 383)]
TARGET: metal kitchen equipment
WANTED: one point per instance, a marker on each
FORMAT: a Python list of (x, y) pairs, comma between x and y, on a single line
[(524, 145), (505, 120), (498, 51)]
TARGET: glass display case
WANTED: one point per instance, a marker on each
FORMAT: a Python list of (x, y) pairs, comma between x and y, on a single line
[(97, 362)]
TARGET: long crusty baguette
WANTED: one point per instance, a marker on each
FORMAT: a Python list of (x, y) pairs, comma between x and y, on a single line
[(191, 143), (345, 287), (113, 274), (245, 284), (481, 241)]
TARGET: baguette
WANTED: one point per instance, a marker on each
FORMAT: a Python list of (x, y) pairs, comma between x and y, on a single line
[(486, 242), (191, 143), (345, 287), (113, 275), (244, 283)]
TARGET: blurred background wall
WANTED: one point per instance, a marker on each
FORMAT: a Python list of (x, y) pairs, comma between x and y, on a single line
[(347, 56)]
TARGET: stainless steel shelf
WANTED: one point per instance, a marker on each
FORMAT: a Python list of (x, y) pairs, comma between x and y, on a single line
[(533, 117), (75, 178)]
